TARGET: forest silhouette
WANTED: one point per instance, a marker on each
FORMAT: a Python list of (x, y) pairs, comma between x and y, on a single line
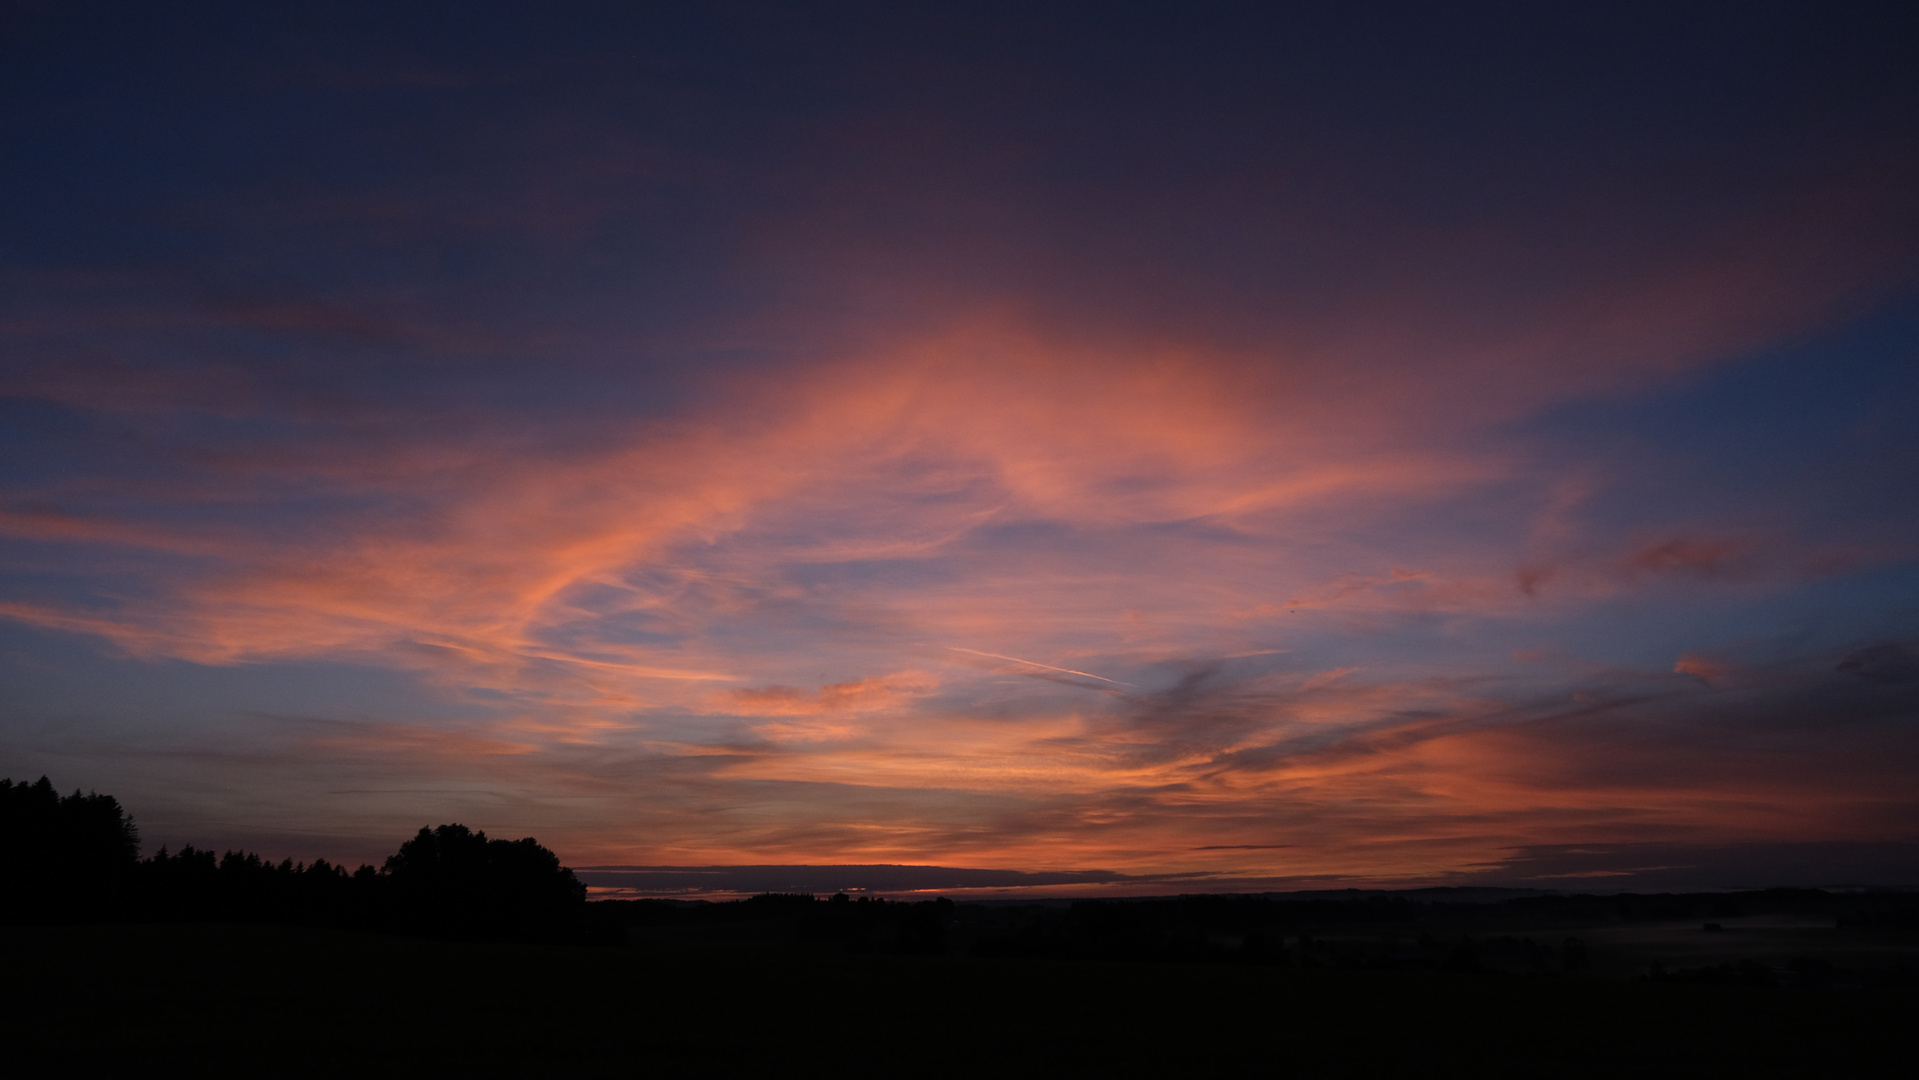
[(76, 858)]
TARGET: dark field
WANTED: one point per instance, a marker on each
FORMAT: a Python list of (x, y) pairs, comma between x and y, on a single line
[(267, 1000)]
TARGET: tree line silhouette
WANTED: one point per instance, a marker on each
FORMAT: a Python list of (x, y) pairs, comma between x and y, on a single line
[(76, 858)]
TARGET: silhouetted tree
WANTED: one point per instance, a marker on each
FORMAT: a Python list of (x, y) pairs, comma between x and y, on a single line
[(453, 881), (62, 857)]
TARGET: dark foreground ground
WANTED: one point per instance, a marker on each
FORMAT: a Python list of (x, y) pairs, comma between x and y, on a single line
[(265, 1000)]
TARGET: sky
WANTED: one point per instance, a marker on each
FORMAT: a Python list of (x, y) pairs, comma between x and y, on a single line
[(1092, 448)]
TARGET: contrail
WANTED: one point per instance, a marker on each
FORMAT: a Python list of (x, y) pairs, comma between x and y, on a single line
[(1035, 663)]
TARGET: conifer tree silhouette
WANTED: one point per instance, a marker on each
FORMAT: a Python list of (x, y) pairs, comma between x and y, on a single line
[(62, 857)]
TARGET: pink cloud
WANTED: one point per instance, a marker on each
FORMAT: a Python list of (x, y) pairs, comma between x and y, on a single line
[(1167, 501)]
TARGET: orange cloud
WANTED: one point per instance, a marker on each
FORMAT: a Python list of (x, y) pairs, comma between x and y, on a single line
[(859, 695), (675, 596), (1705, 669)]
